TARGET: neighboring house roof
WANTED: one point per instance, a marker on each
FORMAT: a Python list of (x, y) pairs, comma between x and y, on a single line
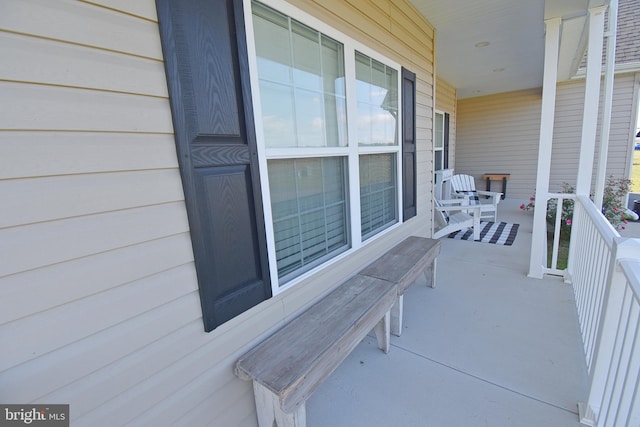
[(628, 34)]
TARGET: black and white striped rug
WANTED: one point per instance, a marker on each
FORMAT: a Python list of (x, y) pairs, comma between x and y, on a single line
[(500, 233)]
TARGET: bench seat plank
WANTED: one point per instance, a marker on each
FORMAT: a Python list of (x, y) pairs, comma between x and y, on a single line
[(295, 360), (405, 262), (402, 265)]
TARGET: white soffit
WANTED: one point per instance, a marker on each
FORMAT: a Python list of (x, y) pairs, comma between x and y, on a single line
[(513, 59), (564, 8), (571, 47), (573, 41)]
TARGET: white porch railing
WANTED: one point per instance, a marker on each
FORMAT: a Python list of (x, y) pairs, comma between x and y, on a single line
[(592, 242), (605, 271)]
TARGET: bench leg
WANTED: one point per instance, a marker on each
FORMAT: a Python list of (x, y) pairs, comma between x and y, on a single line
[(396, 316), (382, 330), (270, 413), (430, 274)]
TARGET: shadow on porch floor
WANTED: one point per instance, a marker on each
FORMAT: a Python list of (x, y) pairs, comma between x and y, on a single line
[(487, 347)]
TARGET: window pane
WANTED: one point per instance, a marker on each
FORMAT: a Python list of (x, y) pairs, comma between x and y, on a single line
[(277, 114), (377, 102), (308, 202), (333, 66), (378, 195), (302, 73), (335, 112), (439, 131), (307, 72), (335, 105), (438, 160), (309, 118), (274, 44)]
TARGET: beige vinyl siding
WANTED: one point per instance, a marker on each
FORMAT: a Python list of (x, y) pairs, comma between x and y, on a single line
[(623, 125), (500, 133), (446, 101), (99, 305), (568, 127)]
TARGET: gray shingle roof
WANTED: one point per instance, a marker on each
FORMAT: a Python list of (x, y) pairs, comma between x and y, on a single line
[(627, 36)]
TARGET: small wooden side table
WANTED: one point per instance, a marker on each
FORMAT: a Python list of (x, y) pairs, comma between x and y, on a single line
[(504, 177)]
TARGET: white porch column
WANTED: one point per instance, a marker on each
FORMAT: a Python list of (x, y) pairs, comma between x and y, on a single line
[(590, 115), (591, 100), (539, 237), (612, 29)]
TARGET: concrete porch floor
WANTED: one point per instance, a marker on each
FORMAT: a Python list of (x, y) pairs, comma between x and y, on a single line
[(487, 347)]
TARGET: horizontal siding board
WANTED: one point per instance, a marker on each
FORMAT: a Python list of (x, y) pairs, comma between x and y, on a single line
[(375, 34), (215, 388), (78, 66), (36, 245), (413, 35), (142, 8), (34, 379), (240, 412), (62, 153), (51, 198), (407, 16), (73, 322), (83, 24), (107, 383), (413, 14), (65, 282), (376, 14), (38, 107), (153, 389)]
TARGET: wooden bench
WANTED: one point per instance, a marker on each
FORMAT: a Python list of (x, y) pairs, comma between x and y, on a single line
[(402, 265), (288, 366)]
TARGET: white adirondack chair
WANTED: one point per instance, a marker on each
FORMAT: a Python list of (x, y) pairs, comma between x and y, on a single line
[(442, 184), (465, 185), (455, 215)]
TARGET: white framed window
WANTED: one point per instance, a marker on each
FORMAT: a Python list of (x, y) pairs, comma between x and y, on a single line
[(438, 142), (328, 138)]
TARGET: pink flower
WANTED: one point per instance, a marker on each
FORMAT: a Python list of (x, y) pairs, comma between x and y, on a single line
[(623, 227), (626, 222), (615, 209), (568, 222), (522, 206), (532, 198)]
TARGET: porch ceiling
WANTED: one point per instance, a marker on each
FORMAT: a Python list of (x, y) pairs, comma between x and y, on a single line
[(514, 31)]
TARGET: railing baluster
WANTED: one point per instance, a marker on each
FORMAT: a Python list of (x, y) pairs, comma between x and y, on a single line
[(601, 252), (556, 235), (630, 375), (613, 387)]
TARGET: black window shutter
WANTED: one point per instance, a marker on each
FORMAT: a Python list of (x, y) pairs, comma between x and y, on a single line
[(445, 155), (205, 52), (408, 144)]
